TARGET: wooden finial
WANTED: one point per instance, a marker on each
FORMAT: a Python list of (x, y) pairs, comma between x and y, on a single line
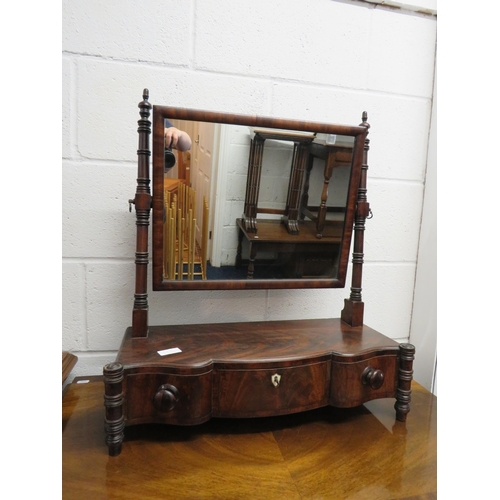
[(364, 118), (145, 107)]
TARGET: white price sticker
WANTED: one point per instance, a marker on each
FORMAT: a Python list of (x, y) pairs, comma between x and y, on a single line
[(166, 352)]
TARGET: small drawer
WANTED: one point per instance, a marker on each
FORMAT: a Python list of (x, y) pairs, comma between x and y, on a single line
[(355, 383), (270, 391), (166, 398)]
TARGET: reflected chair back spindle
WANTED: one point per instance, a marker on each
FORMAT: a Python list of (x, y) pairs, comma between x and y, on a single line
[(184, 257)]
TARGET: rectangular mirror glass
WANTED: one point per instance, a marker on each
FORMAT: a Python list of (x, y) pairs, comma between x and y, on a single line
[(254, 202)]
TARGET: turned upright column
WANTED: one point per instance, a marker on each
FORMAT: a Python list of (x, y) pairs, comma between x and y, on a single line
[(405, 376), (142, 203), (352, 313), (299, 161), (253, 183), (114, 423)]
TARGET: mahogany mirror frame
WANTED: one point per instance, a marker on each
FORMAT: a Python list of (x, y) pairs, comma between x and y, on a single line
[(160, 113)]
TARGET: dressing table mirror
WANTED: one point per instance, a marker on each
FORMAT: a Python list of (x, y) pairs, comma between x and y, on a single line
[(255, 203)]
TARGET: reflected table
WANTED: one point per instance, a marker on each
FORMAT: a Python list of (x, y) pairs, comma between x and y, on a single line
[(334, 157), (329, 453), (302, 254)]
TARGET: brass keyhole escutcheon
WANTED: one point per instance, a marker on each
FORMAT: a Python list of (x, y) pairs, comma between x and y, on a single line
[(275, 379)]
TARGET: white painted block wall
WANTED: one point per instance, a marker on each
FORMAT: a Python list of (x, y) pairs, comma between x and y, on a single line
[(319, 60)]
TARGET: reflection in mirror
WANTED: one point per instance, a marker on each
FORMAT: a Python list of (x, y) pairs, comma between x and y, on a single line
[(254, 203)]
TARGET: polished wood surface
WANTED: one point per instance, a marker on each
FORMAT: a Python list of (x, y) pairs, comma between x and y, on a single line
[(274, 231), (329, 453), (142, 202), (253, 343), (354, 306), (251, 369), (68, 362)]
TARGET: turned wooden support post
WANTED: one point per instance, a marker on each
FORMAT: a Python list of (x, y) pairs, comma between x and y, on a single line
[(142, 203), (253, 183), (305, 192), (239, 249), (405, 376), (330, 163), (114, 423), (299, 162), (352, 313)]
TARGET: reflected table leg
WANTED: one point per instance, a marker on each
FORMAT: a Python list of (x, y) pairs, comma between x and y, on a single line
[(238, 251), (320, 223), (251, 263)]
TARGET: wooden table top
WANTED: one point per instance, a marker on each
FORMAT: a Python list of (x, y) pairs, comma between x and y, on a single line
[(68, 362), (359, 453), (274, 231)]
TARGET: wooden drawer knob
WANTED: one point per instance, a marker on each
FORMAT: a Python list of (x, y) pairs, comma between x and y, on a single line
[(372, 377), (166, 397)]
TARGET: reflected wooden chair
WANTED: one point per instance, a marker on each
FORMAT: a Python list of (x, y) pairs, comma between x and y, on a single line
[(184, 257)]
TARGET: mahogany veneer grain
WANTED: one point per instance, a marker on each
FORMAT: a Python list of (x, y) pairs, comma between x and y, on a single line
[(253, 343), (253, 369)]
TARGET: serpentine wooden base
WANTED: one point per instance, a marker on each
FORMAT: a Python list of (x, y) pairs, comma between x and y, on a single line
[(256, 369)]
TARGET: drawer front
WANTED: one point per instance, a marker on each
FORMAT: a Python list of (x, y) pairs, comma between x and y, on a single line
[(273, 391), (355, 383), (173, 399)]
